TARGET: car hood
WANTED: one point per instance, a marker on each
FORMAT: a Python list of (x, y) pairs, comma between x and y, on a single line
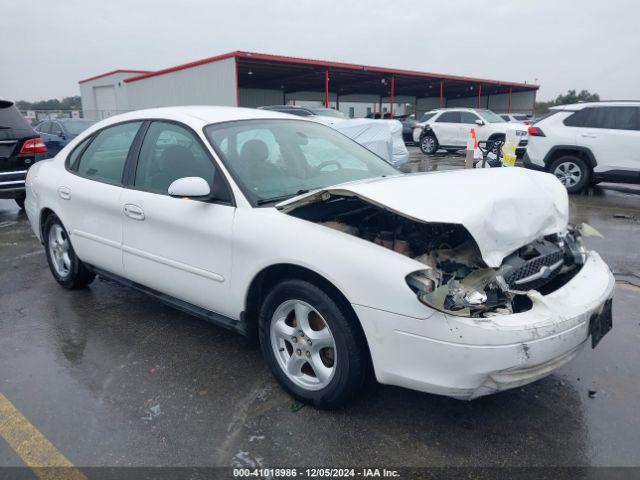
[(502, 208)]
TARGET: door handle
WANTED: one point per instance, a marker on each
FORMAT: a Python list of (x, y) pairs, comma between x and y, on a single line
[(64, 193), (588, 135), (134, 212)]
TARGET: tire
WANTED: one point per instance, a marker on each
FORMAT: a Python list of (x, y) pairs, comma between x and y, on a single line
[(20, 201), (429, 144), (573, 172), (330, 339), (66, 267)]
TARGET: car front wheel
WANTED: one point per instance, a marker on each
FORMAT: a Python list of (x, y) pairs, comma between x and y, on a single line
[(312, 344), (573, 172), (66, 267), (429, 144)]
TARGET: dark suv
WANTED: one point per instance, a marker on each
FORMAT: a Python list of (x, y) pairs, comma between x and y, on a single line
[(20, 147)]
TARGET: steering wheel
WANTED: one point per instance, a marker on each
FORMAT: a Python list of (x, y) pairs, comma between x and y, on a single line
[(326, 164)]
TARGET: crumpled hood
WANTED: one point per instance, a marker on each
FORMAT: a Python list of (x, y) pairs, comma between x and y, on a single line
[(502, 208)]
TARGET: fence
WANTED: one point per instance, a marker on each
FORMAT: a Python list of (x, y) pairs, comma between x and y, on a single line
[(36, 116)]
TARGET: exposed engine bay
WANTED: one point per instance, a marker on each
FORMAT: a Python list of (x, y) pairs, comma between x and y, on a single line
[(455, 279)]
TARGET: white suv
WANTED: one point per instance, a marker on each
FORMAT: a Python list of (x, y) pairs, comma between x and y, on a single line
[(586, 143), (449, 129)]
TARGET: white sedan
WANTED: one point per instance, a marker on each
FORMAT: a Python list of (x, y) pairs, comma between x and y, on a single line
[(457, 283)]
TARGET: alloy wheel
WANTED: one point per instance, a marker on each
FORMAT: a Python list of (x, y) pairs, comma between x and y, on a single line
[(569, 173), (303, 345), (59, 250), (428, 144)]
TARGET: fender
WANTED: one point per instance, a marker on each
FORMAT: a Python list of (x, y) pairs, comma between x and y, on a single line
[(586, 154)]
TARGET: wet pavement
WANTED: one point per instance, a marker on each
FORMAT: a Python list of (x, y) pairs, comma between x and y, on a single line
[(113, 377)]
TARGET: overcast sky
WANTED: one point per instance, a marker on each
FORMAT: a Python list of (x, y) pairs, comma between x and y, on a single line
[(47, 46)]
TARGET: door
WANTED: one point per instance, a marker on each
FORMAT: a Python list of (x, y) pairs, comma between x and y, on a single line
[(105, 98), (467, 122), (447, 128), (613, 135), (178, 246), (89, 194)]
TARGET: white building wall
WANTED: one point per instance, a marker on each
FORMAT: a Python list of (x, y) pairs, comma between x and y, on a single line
[(90, 107), (208, 84)]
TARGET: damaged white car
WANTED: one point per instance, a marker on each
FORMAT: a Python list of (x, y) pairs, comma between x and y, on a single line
[(458, 283)]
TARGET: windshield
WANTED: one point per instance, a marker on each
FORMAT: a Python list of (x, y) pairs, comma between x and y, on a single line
[(75, 127), (327, 112), (272, 160), (427, 116), (490, 117)]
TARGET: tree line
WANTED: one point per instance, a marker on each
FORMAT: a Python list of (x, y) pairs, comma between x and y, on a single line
[(67, 103), (572, 96)]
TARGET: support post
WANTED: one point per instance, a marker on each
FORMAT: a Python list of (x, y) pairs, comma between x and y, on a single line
[(533, 108), (479, 94), (326, 88), (509, 100), (393, 94), (441, 92), (237, 84)]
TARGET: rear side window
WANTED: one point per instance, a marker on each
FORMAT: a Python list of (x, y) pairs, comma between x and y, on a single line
[(170, 152), (449, 117), (72, 159), (614, 118), (506, 118), (577, 119), (10, 117), (44, 127), (104, 158)]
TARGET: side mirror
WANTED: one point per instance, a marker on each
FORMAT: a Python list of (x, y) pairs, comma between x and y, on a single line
[(189, 187), (479, 122)]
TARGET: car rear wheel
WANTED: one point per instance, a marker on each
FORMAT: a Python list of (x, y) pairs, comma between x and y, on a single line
[(312, 344), (429, 144), (573, 172), (20, 201), (66, 267)]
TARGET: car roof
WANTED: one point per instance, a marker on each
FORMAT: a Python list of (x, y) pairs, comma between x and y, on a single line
[(196, 116), (580, 106)]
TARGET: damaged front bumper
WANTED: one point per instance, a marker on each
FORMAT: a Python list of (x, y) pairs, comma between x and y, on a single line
[(467, 358)]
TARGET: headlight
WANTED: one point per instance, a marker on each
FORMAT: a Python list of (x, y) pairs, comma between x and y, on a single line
[(423, 281)]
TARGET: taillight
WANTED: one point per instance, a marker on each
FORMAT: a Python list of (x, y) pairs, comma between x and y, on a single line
[(535, 132), (527, 122), (33, 145)]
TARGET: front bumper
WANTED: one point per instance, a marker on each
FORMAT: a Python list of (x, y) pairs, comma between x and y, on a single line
[(467, 358)]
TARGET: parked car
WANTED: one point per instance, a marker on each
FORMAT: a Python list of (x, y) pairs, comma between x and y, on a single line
[(20, 148), (408, 123), (58, 132), (523, 118), (386, 142), (449, 129), (292, 234), (587, 143), (305, 111)]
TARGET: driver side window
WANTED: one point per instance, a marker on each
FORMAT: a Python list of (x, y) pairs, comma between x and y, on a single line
[(170, 152)]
